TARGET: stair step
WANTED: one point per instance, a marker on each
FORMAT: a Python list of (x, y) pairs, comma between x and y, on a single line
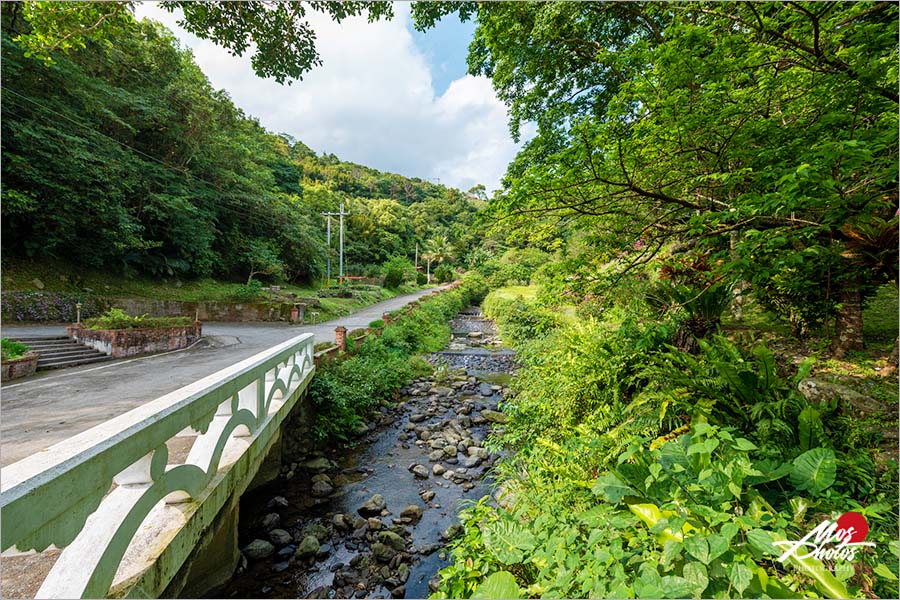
[(87, 352), (61, 364), (39, 339), (52, 347)]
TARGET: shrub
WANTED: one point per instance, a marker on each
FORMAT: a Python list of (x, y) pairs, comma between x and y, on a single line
[(12, 349), (397, 270), (421, 278), (519, 320), (116, 318), (444, 274), (247, 293), (690, 516), (376, 324)]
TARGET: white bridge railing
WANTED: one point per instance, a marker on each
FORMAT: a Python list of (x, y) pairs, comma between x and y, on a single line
[(92, 494)]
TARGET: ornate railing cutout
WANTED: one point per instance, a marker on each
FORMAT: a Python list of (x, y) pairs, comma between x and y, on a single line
[(61, 496)]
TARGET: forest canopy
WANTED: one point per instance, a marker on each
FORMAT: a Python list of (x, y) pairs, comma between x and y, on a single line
[(760, 138), (118, 154)]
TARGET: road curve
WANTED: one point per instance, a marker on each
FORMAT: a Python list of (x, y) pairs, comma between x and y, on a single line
[(56, 405)]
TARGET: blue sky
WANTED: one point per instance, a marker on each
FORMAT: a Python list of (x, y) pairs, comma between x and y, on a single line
[(445, 47), (386, 96)]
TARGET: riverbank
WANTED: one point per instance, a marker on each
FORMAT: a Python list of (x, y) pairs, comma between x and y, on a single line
[(372, 521)]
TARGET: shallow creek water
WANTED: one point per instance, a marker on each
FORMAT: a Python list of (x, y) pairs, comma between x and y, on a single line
[(360, 549)]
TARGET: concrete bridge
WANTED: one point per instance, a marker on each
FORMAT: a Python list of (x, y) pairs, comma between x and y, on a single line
[(126, 513), (145, 504)]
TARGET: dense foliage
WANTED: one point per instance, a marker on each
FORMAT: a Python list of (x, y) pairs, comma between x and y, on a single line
[(639, 470), (344, 391), (119, 155), (762, 136), (49, 306)]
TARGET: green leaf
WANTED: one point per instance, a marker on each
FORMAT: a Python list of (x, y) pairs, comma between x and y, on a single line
[(799, 504), (696, 575), (843, 570), (814, 470), (744, 445), (882, 570), (611, 488), (673, 454), (698, 547), (501, 584), (718, 545), (761, 540), (675, 587), (508, 541), (740, 575), (809, 428)]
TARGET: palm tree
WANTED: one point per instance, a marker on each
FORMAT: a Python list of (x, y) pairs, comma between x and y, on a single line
[(437, 249)]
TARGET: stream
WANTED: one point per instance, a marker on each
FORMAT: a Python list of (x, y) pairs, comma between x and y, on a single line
[(372, 521)]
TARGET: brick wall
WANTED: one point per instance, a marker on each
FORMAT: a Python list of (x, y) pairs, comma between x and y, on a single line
[(120, 343)]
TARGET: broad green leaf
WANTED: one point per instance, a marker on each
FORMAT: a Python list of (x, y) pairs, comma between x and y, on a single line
[(718, 545), (612, 489), (814, 470), (673, 454), (740, 575), (501, 584), (675, 587), (744, 444), (695, 574), (698, 547), (671, 552), (761, 540)]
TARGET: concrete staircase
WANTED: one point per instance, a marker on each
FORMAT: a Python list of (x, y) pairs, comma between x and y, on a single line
[(61, 352)]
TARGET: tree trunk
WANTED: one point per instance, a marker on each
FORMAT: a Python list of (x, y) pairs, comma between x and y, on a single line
[(848, 326)]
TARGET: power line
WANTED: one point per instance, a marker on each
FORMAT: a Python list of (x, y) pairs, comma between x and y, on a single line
[(340, 214)]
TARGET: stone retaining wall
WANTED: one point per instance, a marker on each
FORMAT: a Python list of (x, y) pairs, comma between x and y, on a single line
[(120, 343), (20, 367), (214, 311)]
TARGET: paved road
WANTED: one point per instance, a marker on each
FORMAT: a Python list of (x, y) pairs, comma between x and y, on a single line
[(55, 405)]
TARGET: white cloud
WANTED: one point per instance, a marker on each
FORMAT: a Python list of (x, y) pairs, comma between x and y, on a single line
[(372, 102)]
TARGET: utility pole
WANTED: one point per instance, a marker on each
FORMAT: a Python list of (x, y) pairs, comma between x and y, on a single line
[(341, 274), (328, 259), (340, 214), (417, 256)]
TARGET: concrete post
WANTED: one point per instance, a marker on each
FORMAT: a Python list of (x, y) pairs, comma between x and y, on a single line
[(340, 337), (386, 318)]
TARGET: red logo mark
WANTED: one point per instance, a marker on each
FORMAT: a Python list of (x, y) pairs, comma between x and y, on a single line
[(855, 524)]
